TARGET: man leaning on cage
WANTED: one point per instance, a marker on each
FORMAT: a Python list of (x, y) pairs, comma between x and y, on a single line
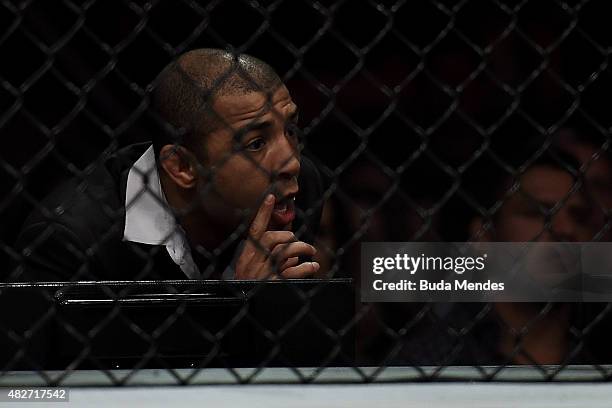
[(221, 193)]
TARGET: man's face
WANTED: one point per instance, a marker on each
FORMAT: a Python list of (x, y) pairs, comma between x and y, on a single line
[(254, 152), (522, 216)]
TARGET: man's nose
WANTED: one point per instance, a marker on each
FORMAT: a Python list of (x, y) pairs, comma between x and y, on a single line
[(288, 159), (564, 227)]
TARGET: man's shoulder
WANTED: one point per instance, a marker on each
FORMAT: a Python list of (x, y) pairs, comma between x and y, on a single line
[(91, 200), (313, 183), (77, 229)]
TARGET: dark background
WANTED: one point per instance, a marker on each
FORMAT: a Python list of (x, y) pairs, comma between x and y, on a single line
[(399, 101), (402, 104)]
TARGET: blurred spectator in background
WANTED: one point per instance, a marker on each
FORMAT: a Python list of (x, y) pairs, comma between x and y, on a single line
[(540, 207), (545, 202)]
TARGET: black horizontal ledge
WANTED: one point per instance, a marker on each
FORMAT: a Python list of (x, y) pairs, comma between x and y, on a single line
[(154, 299), (181, 282)]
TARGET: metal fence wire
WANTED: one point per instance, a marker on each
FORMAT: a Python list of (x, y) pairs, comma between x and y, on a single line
[(433, 121)]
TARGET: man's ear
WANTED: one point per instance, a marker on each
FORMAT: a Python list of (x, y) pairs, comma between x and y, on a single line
[(479, 230), (179, 164)]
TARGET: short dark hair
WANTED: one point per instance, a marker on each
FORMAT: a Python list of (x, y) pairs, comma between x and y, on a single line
[(185, 90)]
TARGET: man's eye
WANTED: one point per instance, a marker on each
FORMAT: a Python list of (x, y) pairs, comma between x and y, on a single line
[(256, 144)]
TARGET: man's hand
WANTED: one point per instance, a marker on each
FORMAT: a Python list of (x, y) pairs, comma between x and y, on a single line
[(268, 254)]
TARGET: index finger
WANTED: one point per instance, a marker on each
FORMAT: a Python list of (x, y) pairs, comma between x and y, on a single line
[(262, 218)]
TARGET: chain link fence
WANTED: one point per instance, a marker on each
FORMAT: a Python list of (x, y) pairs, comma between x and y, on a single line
[(427, 121)]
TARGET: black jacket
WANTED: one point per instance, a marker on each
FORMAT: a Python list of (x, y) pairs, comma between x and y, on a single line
[(76, 233)]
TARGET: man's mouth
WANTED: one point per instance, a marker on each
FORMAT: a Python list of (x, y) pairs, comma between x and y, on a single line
[(284, 211)]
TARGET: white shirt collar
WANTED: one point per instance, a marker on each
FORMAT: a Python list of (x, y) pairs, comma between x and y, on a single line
[(148, 219)]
